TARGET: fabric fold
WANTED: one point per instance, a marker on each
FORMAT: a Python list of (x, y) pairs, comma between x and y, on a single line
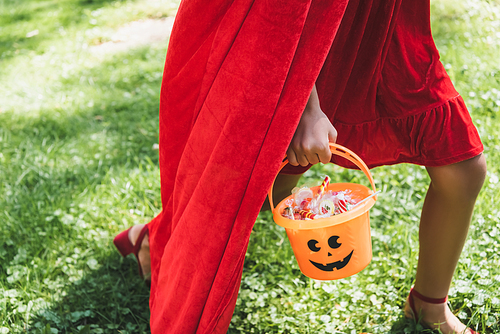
[(222, 138)]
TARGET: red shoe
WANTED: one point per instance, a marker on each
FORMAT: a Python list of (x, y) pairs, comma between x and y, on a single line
[(125, 246), (415, 293)]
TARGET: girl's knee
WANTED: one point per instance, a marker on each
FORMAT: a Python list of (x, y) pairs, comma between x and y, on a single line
[(463, 179)]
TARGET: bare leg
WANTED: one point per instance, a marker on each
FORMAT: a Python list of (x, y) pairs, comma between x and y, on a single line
[(144, 257), (282, 188), (444, 225)]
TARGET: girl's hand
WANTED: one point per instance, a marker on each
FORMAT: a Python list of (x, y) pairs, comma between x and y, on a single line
[(312, 136)]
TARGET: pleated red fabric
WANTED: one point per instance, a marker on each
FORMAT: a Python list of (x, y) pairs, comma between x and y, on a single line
[(237, 77)]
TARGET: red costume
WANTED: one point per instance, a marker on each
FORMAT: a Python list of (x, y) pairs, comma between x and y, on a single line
[(237, 77)]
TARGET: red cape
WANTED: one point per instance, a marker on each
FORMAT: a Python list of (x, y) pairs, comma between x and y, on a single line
[(237, 77)]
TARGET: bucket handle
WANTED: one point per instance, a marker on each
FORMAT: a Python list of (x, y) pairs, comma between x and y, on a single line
[(337, 150)]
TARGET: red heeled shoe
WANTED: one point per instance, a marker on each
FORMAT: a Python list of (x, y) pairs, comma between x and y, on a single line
[(125, 247), (415, 293)]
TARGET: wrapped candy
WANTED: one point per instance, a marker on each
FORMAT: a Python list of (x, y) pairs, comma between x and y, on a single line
[(326, 206), (323, 186), (307, 214), (303, 194), (289, 213), (304, 205), (307, 204), (342, 206)]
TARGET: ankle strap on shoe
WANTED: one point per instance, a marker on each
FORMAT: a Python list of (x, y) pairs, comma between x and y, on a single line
[(415, 293)]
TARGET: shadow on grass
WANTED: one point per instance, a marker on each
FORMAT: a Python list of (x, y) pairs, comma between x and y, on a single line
[(51, 213), (109, 299), (51, 162)]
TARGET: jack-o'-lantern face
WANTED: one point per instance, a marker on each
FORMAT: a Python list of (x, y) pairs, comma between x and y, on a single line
[(316, 246)]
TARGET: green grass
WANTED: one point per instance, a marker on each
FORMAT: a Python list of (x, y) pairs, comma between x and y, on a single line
[(77, 165)]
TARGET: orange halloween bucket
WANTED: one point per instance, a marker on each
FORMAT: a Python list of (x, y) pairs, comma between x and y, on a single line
[(338, 246)]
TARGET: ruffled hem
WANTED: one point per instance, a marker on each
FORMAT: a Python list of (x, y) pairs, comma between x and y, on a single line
[(435, 137)]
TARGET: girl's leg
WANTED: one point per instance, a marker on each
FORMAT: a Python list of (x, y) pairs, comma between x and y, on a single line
[(444, 224), (144, 257), (282, 188)]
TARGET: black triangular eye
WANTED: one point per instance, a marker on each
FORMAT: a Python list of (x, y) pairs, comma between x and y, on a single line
[(332, 242), (312, 245)]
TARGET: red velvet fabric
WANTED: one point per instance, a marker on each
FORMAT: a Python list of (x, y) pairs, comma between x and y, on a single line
[(237, 77), (387, 93)]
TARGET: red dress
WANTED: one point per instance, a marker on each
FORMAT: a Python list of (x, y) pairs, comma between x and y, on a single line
[(237, 77)]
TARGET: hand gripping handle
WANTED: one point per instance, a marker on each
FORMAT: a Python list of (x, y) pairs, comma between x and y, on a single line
[(337, 150)]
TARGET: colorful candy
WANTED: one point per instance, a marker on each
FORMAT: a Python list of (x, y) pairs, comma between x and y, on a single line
[(289, 213), (303, 194), (342, 206), (308, 204), (307, 214), (323, 186), (326, 206), (304, 205)]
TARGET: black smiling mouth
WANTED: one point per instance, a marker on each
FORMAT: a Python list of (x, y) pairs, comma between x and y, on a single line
[(330, 266)]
